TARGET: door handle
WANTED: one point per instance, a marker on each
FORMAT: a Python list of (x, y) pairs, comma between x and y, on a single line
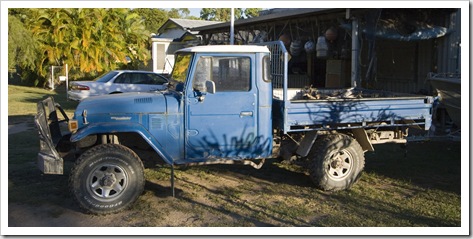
[(246, 113)]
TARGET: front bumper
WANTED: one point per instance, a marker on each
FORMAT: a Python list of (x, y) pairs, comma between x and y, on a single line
[(49, 129)]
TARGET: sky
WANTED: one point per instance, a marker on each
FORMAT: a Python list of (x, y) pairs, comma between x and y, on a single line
[(194, 11)]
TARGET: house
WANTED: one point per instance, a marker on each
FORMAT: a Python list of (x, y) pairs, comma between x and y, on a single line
[(174, 34)]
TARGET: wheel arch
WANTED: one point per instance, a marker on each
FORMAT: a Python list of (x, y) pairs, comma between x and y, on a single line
[(123, 127), (310, 137)]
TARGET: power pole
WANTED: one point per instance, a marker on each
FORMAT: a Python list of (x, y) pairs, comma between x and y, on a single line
[(232, 28)]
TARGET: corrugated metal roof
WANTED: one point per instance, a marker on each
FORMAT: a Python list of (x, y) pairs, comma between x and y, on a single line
[(299, 12), (190, 24)]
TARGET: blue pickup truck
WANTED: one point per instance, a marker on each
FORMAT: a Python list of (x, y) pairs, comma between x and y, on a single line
[(227, 104)]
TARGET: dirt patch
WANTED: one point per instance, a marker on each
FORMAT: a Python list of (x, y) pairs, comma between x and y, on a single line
[(20, 127), (48, 215), (20, 124)]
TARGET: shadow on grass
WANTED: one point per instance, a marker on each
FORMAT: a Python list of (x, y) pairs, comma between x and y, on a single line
[(429, 165), (239, 211), (19, 119), (369, 211), (270, 172), (26, 183)]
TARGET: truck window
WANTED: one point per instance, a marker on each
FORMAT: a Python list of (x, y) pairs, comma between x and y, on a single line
[(228, 73), (202, 72), (266, 69)]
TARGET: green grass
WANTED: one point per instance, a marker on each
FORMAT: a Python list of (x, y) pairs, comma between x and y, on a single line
[(22, 100), (418, 189)]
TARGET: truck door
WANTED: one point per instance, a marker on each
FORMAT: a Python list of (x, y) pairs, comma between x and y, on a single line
[(222, 124)]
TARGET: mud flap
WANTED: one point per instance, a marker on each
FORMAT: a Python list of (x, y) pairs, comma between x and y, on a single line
[(48, 164), (46, 120), (306, 143)]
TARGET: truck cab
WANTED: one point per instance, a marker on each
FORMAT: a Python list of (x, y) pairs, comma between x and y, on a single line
[(227, 98)]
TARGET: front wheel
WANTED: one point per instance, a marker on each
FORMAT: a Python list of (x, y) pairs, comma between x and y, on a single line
[(107, 178), (335, 162)]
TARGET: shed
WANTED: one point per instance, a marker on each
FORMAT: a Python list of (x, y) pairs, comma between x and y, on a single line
[(395, 48)]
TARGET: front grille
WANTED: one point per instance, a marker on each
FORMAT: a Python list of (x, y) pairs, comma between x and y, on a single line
[(143, 100)]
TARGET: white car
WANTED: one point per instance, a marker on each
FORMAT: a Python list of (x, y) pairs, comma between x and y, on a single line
[(119, 81)]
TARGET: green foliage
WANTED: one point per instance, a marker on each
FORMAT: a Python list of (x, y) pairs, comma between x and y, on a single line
[(224, 14), (179, 12), (219, 14), (153, 18), (22, 47), (116, 38), (252, 12), (58, 36)]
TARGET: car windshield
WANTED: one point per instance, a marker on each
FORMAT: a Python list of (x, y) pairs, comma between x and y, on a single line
[(181, 67), (106, 77)]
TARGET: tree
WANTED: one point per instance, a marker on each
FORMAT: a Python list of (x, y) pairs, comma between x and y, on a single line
[(22, 46), (68, 36), (136, 38), (224, 14), (252, 12), (219, 14), (53, 29), (154, 18), (179, 13), (115, 38)]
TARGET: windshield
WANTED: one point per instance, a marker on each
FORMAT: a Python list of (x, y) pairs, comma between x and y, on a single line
[(106, 77), (181, 67)]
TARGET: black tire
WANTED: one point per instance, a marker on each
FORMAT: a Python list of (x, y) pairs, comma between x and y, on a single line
[(335, 162), (107, 178)]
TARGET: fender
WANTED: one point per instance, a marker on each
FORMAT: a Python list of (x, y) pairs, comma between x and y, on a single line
[(123, 127)]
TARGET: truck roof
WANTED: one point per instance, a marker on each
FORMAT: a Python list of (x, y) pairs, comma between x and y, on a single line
[(226, 48)]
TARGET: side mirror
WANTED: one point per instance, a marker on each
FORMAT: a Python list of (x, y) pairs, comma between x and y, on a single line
[(210, 85)]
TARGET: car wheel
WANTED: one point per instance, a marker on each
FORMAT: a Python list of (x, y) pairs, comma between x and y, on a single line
[(335, 162), (107, 178)]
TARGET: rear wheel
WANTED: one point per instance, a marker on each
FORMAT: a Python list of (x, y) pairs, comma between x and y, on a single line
[(107, 178), (336, 162)]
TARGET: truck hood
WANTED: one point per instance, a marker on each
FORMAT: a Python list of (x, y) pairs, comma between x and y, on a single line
[(129, 103)]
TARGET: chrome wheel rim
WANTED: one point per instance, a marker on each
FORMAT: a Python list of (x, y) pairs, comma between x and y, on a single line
[(340, 165), (107, 181)]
